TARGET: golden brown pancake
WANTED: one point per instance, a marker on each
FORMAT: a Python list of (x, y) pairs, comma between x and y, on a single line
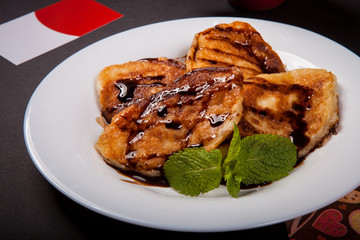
[(122, 84), (234, 44), (198, 109), (301, 104)]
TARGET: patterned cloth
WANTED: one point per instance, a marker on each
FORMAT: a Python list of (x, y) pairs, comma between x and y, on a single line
[(339, 220)]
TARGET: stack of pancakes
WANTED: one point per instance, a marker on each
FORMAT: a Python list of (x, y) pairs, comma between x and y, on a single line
[(156, 107)]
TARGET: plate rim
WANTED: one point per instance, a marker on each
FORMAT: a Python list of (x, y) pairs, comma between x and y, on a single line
[(99, 209)]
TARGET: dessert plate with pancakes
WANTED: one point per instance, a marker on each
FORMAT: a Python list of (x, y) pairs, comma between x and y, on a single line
[(103, 112)]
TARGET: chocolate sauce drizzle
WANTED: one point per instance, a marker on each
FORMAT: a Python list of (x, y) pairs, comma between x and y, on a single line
[(295, 116), (128, 86), (258, 52), (187, 94)]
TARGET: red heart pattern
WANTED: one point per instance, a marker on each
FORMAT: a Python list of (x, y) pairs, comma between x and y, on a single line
[(328, 222)]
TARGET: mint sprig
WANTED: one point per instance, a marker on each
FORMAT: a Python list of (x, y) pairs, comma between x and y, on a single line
[(256, 159)]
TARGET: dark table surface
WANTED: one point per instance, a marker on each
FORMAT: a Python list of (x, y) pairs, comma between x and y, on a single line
[(30, 207)]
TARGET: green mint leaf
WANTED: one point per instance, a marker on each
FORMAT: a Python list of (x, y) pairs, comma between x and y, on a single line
[(234, 148), (233, 182), (260, 158), (193, 171)]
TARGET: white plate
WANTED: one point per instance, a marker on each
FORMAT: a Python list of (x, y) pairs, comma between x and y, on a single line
[(60, 132)]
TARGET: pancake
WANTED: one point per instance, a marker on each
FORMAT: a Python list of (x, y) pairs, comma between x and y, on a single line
[(301, 104), (198, 109), (234, 44), (121, 85)]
